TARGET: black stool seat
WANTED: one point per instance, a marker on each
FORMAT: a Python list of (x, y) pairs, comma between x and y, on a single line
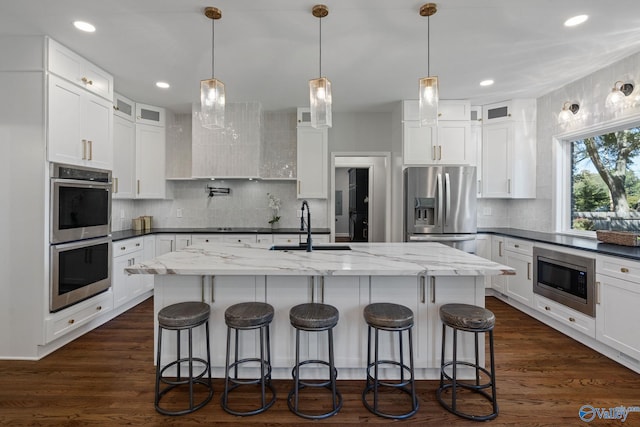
[(313, 316), (476, 320), (387, 315), (248, 315), (467, 317), (184, 315)]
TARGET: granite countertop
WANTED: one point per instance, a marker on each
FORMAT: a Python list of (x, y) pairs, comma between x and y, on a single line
[(581, 243), (127, 234), (365, 259)]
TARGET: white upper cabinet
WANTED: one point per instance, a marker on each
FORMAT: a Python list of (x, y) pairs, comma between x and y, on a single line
[(80, 126), (124, 158), (312, 153), (476, 141), (79, 71), (509, 149), (447, 143), (124, 107), (150, 115), (150, 162)]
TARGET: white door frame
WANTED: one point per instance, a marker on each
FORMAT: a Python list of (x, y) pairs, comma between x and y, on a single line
[(358, 163)]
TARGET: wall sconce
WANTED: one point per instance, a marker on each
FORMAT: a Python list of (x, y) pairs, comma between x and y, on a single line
[(569, 110), (619, 91)]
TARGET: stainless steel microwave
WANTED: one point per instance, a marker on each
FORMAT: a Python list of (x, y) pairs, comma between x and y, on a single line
[(80, 203)]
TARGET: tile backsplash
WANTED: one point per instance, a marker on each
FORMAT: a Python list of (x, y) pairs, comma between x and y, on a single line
[(246, 206)]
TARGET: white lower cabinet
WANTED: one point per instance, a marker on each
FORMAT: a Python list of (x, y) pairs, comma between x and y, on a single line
[(617, 303), (498, 283), (424, 297), (567, 316), (61, 323), (483, 249), (127, 286), (520, 286), (166, 243)]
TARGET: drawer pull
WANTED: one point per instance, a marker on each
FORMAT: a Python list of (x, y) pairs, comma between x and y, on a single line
[(72, 321), (571, 319), (517, 246), (597, 292), (87, 81), (624, 269), (98, 308), (122, 248), (137, 244), (546, 307)]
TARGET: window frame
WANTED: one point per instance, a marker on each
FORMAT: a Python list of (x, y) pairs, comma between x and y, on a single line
[(561, 155)]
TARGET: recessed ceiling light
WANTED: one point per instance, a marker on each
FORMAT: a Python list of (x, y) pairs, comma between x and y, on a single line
[(163, 85), (487, 82), (576, 20), (84, 26)]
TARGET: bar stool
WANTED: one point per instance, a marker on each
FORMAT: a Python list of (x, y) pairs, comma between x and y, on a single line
[(314, 317), (179, 317), (470, 318), (242, 317), (393, 318)]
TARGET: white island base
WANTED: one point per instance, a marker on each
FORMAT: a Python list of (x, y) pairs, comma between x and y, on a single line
[(348, 294), (421, 276)]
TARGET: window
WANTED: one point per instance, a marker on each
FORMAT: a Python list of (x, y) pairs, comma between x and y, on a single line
[(604, 181)]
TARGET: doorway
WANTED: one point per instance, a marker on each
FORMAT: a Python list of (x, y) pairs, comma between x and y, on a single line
[(360, 206)]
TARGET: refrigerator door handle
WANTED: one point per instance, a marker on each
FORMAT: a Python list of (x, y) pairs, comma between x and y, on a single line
[(447, 195), (439, 199)]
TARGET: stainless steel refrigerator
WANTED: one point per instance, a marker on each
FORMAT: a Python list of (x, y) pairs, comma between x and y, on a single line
[(440, 205)]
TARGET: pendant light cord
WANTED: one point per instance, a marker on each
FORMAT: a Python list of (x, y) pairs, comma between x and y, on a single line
[(213, 47), (428, 46), (320, 50)]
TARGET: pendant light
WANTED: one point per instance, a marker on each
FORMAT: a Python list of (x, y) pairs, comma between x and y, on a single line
[(212, 97), (320, 88), (428, 85)]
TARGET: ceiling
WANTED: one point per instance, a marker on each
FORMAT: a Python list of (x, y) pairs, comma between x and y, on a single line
[(373, 51)]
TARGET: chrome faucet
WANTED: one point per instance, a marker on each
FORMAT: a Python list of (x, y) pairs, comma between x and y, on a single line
[(309, 244)]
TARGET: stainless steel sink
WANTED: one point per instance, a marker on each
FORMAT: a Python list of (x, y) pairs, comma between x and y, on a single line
[(303, 247)]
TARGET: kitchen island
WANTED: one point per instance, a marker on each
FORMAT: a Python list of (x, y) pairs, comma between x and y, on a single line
[(421, 276)]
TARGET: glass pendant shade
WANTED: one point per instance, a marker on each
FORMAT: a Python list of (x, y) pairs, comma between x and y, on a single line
[(212, 100), (320, 101), (428, 101)]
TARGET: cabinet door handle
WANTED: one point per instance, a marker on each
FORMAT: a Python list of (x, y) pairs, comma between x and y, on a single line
[(84, 149), (72, 321), (546, 307), (597, 292), (138, 184), (509, 185), (202, 288), (479, 189), (87, 81), (423, 291), (298, 186), (98, 308), (433, 152), (624, 270), (115, 184), (90, 150), (433, 289), (322, 289), (571, 319), (439, 152), (500, 249), (528, 271)]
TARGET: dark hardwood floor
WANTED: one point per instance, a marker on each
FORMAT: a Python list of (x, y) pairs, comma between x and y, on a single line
[(106, 378)]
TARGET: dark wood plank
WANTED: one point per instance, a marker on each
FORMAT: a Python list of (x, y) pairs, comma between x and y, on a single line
[(105, 378)]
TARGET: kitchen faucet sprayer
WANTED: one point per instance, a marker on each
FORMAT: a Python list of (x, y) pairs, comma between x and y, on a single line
[(309, 244)]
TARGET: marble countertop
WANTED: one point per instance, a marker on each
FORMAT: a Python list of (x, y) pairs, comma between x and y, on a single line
[(365, 259), (127, 234)]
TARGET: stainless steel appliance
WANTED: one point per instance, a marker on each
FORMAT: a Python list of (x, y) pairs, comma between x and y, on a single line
[(565, 278), (80, 227), (440, 205), (80, 203), (79, 270)]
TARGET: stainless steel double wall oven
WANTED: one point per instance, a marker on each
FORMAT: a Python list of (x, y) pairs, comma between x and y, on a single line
[(80, 234)]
